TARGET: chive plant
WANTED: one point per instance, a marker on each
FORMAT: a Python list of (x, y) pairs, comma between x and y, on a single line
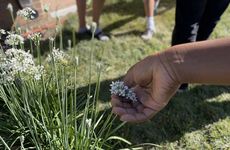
[(44, 105)]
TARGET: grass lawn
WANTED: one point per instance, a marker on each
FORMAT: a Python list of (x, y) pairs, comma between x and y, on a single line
[(196, 119)]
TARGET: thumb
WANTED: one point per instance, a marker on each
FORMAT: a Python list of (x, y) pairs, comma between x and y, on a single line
[(129, 79), (141, 73)]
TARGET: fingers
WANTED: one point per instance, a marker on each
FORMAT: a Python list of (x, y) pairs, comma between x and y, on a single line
[(120, 107), (146, 115), (129, 78), (130, 112), (117, 101), (119, 111), (145, 97)]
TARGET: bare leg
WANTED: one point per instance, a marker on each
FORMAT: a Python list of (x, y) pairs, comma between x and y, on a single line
[(97, 8), (149, 7), (81, 9), (150, 25)]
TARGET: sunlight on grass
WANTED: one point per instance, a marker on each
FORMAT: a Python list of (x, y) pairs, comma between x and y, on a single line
[(196, 119)]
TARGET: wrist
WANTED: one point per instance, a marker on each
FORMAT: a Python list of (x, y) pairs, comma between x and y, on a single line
[(168, 59)]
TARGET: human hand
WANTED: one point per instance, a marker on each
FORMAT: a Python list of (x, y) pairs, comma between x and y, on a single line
[(153, 85)]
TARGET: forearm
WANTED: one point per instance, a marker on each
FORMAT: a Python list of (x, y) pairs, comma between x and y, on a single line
[(205, 62)]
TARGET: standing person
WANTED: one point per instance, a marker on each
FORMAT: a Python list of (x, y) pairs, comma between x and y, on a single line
[(97, 8), (195, 21), (149, 6)]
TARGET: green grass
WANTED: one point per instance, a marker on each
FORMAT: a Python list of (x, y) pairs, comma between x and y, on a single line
[(196, 119)]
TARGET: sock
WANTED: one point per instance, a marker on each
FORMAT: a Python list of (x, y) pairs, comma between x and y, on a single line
[(82, 30), (150, 23)]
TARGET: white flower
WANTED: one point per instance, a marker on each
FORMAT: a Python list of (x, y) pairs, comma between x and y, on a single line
[(17, 62), (69, 44), (35, 36), (58, 56), (77, 60), (51, 39), (10, 7), (19, 30), (118, 88), (88, 122), (14, 39), (37, 72), (2, 31), (26, 13), (46, 8)]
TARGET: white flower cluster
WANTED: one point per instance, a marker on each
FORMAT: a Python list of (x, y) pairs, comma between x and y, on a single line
[(58, 56), (35, 36), (18, 62), (2, 31), (14, 39), (88, 122), (120, 89), (26, 13), (46, 8)]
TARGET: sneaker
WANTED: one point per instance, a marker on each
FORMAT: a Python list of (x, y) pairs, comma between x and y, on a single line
[(147, 35), (87, 34), (102, 36), (183, 87), (84, 35)]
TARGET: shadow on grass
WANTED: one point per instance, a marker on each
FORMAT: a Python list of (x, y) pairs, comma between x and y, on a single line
[(186, 112), (135, 8)]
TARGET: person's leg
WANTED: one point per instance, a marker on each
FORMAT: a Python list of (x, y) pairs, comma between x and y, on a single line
[(213, 11), (97, 8), (149, 7), (149, 14), (188, 16), (81, 9)]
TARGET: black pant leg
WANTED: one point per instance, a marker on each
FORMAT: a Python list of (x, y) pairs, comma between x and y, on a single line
[(213, 11), (188, 16)]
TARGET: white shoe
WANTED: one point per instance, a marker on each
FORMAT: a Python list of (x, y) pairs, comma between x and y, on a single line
[(147, 35)]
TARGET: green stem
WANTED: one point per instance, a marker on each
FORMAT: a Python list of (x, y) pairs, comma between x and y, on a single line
[(61, 40), (31, 47), (38, 52)]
